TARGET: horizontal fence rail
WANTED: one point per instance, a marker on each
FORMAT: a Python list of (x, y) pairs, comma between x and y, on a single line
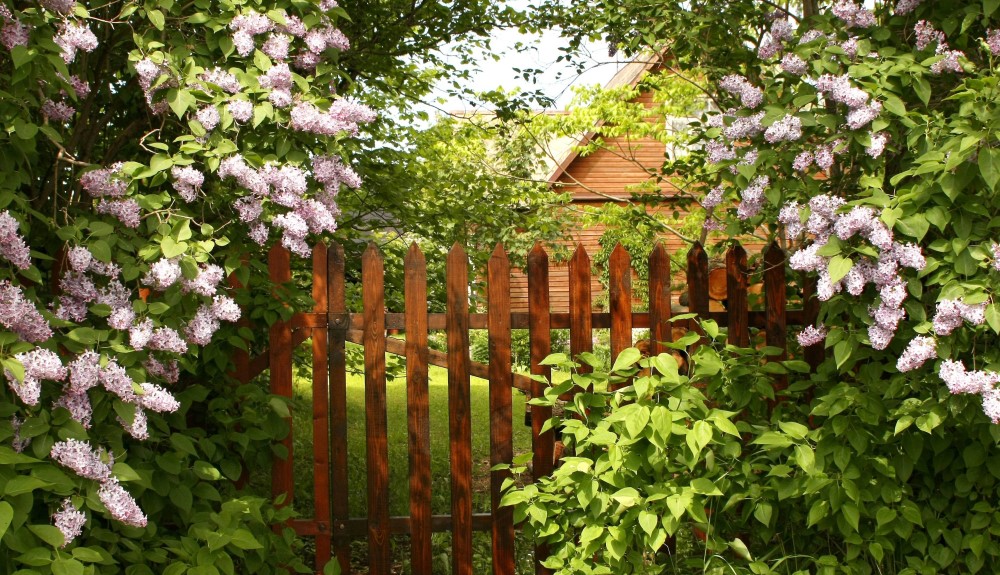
[(331, 326)]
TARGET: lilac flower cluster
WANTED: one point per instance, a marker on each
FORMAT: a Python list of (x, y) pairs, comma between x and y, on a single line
[(223, 79), (149, 72), (127, 211), (812, 335), (69, 521), (752, 198), (949, 62), (279, 80), (959, 380), (206, 282), (89, 464), (995, 248), (75, 36), (187, 181), (342, 117), (712, 198), (120, 504), (278, 44), (951, 314), (853, 15), (12, 246), (750, 95), (18, 443), (927, 35), (39, 364), (993, 41), (787, 129), (904, 7), (794, 65), (105, 182), (241, 110), (20, 316), (14, 32), (824, 221), (917, 352), (208, 116), (719, 152), (879, 140), (57, 111)]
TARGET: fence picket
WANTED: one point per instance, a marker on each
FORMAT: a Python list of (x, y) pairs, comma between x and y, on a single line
[(736, 296), (580, 307), (620, 299), (459, 409), (774, 304), (336, 343), (659, 298), (321, 409), (280, 352), (418, 409), (376, 432), (540, 336), (501, 414)]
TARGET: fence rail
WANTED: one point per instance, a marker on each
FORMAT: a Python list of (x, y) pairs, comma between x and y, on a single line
[(330, 326)]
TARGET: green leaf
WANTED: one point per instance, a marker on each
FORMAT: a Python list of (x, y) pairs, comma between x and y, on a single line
[(6, 516), (180, 101), (171, 248), (902, 424), (928, 421), (740, 548), (793, 429), (989, 7), (700, 436), (704, 486), (817, 512), (243, 539), (100, 250), (627, 496), (884, 515), (842, 352), (989, 166), (915, 226), (49, 534), (626, 359), (63, 566), (24, 484), (156, 19), (805, 458), (838, 268), (648, 521), (206, 471), (851, 514), (993, 316)]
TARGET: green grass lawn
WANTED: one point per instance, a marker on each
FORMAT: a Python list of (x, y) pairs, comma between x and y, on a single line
[(398, 456)]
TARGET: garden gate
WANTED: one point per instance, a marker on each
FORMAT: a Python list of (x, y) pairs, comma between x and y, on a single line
[(330, 326)]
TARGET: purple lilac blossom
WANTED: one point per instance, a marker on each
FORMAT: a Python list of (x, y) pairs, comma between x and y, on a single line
[(919, 350), (949, 63), (12, 245), (995, 248), (958, 380), (223, 79), (139, 428), (926, 34), (74, 36), (209, 117), (241, 110), (14, 33), (18, 443), (719, 152), (78, 405), (126, 211), (853, 15), (163, 274), (794, 65), (69, 521), (155, 398), (812, 335), (187, 181), (167, 371), (993, 41), (879, 140), (904, 7), (752, 198), (57, 111), (750, 96), (224, 308), (206, 282), (84, 372), (105, 182), (712, 198), (115, 379), (167, 339), (787, 129), (82, 459), (120, 504)]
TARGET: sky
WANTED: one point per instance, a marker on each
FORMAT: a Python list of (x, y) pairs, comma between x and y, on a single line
[(557, 80)]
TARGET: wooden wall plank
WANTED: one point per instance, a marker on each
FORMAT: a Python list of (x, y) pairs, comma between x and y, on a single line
[(737, 280), (659, 298), (540, 338), (280, 352), (376, 426), (337, 338), (321, 406), (501, 411), (418, 409), (459, 408)]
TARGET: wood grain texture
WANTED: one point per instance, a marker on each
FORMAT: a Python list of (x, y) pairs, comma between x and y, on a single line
[(376, 426), (321, 406), (581, 331), (775, 303), (540, 336), (337, 362), (620, 299), (418, 408), (737, 302), (280, 355), (501, 411), (697, 278), (459, 408), (659, 298)]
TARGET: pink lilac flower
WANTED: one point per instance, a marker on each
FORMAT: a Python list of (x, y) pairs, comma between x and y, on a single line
[(750, 96), (824, 157), (280, 98), (75, 36), (121, 318), (223, 79), (276, 46), (63, 7), (12, 245), (78, 405), (105, 182), (115, 379), (993, 41), (120, 504), (879, 336), (879, 140), (713, 225), (752, 198), (853, 15), (295, 229), (241, 110), (904, 7), (331, 172), (252, 23), (205, 283), (243, 42), (793, 64), (293, 25), (786, 129), (224, 308), (860, 117), (807, 260), (258, 233), (812, 335), (39, 364), (69, 521), (155, 398), (319, 39), (769, 48), (782, 30), (991, 404), (202, 326), (57, 111), (927, 35), (18, 443), (84, 372), (850, 47), (187, 181), (126, 211), (951, 314), (327, 5), (287, 178), (14, 33), (342, 117), (791, 218), (995, 248), (209, 117), (164, 273), (79, 259), (167, 339), (802, 161), (140, 334), (950, 61), (958, 380), (82, 459), (249, 208), (712, 198), (919, 350), (840, 90), (167, 371), (719, 152), (744, 127), (811, 36), (307, 60), (139, 428), (859, 220)]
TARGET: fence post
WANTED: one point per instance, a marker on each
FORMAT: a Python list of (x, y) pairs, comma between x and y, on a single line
[(373, 297), (337, 328), (540, 336), (459, 410), (659, 299), (418, 409), (280, 350), (581, 332), (775, 302), (737, 305), (321, 409), (501, 412), (620, 300), (697, 283)]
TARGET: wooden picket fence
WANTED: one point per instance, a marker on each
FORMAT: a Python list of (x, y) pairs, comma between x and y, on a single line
[(330, 325)]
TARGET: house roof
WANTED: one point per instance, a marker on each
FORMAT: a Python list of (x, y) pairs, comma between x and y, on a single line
[(567, 148)]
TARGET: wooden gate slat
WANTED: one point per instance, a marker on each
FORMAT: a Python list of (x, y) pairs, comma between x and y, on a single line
[(774, 305), (501, 412), (418, 409), (736, 296), (337, 338), (659, 298), (459, 409), (376, 427), (697, 283), (814, 354), (280, 352), (581, 336), (540, 336), (321, 407), (620, 300)]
